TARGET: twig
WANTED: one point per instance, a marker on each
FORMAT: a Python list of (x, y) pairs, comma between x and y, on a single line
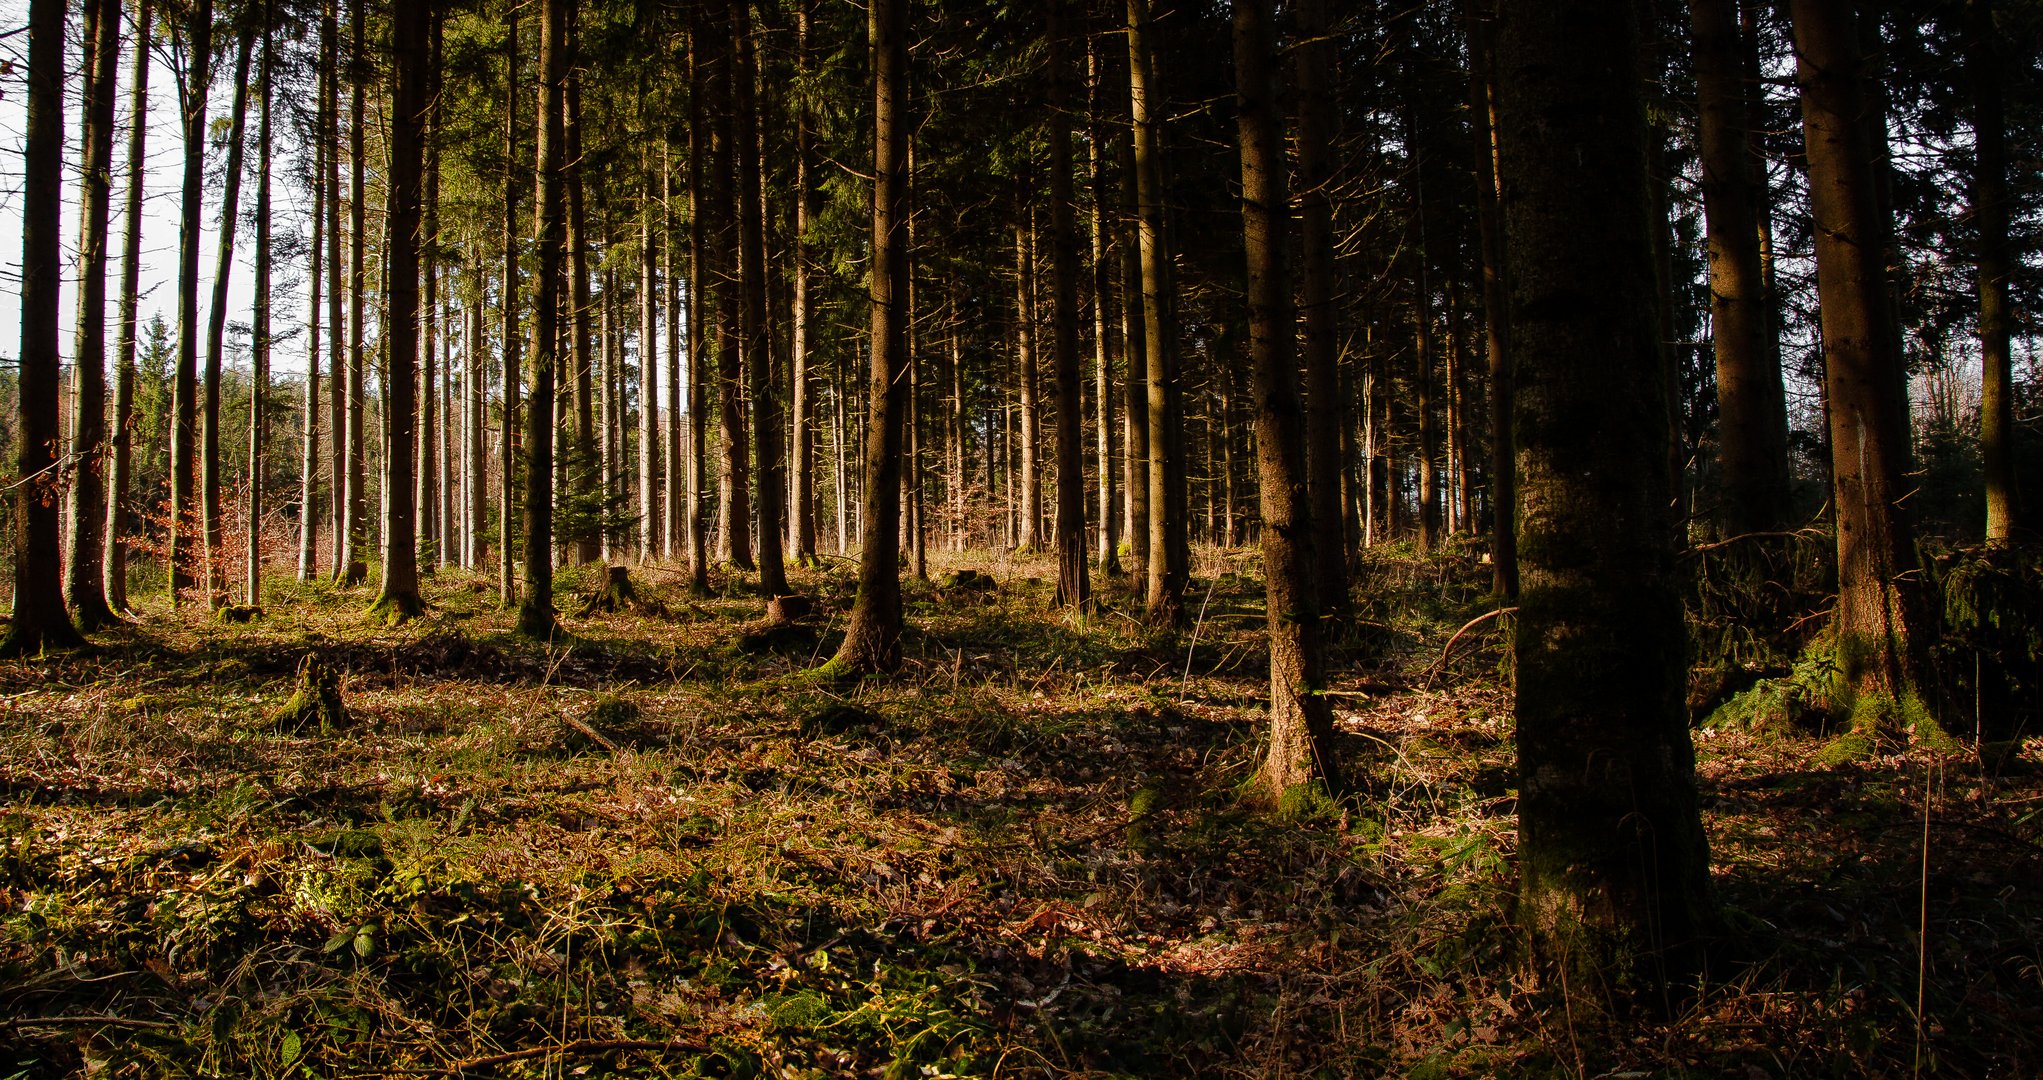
[(88, 1021), (573, 1049), (1440, 665), (1728, 541)]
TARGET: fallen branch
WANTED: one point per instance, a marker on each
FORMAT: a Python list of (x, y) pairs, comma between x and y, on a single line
[(573, 1049), (88, 1021), (1440, 665)]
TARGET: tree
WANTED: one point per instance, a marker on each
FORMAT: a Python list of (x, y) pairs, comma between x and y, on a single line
[(410, 97), (1300, 760), (700, 76), (259, 345), (752, 288), (802, 486), (535, 613), (1613, 867), (216, 323), (1103, 280), (1878, 622), (198, 35), (351, 463), (507, 439), (1029, 538), (1320, 318), (1073, 588), (1989, 198), (115, 570), (1752, 426), (1169, 558), (39, 620), (308, 475), (82, 585), (872, 640), (1496, 325)]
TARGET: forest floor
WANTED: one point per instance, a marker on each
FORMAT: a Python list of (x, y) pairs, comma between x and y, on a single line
[(654, 848)]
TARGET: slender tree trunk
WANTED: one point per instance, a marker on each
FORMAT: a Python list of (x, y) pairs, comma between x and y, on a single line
[(83, 587), (1169, 544), (1613, 868), (115, 571), (1990, 213), (1752, 425), (474, 373), (1422, 333), (802, 496), (734, 504), (350, 569), (337, 389), (672, 542), (1135, 391), (699, 79), (872, 640), (216, 326), (1490, 227), (185, 387), (535, 613), (259, 366), (430, 418), (1074, 590), (1319, 314), (308, 476), (1030, 539), (648, 374), (584, 472), (1301, 721), (752, 288), (39, 620), (507, 439), (1102, 324), (839, 483), (410, 98), (1878, 615)]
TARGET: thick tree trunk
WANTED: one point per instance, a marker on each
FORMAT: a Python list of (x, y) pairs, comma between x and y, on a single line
[(549, 227), (1169, 544), (185, 387), (512, 340), (259, 366), (1990, 213), (1300, 763), (1028, 376), (39, 620), (1752, 424), (752, 275), (410, 97), (1613, 867), (1878, 620), (1074, 589), (1496, 326), (1319, 313), (872, 640), (115, 569), (83, 588)]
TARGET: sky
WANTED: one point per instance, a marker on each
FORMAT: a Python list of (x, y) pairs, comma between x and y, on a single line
[(162, 181)]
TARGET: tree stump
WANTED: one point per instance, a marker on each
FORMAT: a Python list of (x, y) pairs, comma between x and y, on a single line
[(619, 595), (316, 698)]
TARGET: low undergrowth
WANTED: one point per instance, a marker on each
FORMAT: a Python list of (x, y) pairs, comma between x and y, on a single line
[(653, 848)]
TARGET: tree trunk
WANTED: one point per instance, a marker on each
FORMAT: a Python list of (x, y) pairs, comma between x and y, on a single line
[(259, 366), (1496, 326), (676, 485), (1300, 764), (430, 418), (507, 438), (1320, 316), (349, 569), (185, 387), (336, 346), (584, 469), (115, 571), (535, 613), (474, 374), (1135, 375), (410, 97), (1752, 424), (216, 326), (1422, 330), (308, 476), (872, 640), (1102, 332), (1030, 538), (1169, 545), (699, 80), (1878, 617), (752, 287), (39, 620), (648, 374), (802, 494), (1613, 868), (83, 587), (1990, 213)]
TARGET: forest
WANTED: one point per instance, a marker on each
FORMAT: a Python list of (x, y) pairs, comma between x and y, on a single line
[(964, 538)]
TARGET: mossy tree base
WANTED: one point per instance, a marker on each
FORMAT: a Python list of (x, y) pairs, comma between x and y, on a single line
[(618, 595), (395, 609), (315, 699)]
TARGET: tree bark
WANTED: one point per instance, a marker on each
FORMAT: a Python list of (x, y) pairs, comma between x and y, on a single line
[(584, 471), (699, 78), (336, 366), (308, 475), (1752, 424), (802, 489), (216, 325), (1990, 213), (185, 385), (872, 640), (1029, 539), (1301, 720), (259, 366), (535, 612), (648, 374), (1878, 619), (1135, 375), (507, 438), (40, 622), (1169, 544), (1074, 589), (349, 568), (1613, 866), (83, 588), (410, 97), (1102, 322), (752, 274), (115, 567), (1319, 313), (431, 420)]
